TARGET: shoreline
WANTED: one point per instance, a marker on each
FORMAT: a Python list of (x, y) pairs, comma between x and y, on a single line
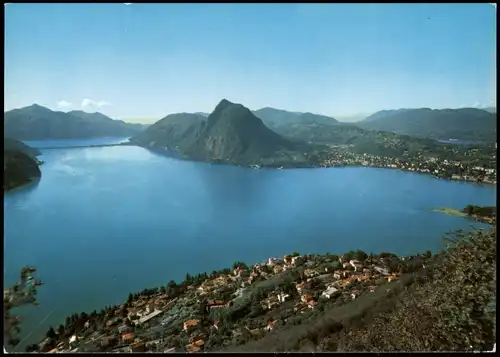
[(156, 315), (174, 155)]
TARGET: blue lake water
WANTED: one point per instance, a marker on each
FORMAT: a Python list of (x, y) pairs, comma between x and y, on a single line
[(103, 222)]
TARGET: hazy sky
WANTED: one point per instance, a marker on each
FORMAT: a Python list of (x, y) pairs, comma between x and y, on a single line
[(147, 60)]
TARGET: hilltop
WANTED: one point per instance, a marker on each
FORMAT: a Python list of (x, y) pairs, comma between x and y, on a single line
[(231, 133), (463, 124), (39, 123)]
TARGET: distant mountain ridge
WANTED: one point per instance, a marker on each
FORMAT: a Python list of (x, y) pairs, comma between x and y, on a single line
[(464, 124), (274, 118), (39, 123), (231, 133)]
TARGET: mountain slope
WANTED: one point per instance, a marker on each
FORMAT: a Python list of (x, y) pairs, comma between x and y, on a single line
[(464, 124), (20, 164), (231, 133), (175, 132), (16, 145), (39, 123)]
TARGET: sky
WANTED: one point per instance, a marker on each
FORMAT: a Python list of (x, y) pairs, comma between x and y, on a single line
[(144, 61)]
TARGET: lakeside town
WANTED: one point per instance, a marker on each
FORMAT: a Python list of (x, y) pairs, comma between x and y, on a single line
[(440, 168), (232, 306)]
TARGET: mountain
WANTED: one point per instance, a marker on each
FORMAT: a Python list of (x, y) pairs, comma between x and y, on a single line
[(231, 133), (39, 123), (491, 110), (177, 132), (275, 118), (463, 124), (20, 164)]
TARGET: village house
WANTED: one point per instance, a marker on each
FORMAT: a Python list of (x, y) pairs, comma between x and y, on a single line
[(383, 271), (297, 261), (271, 325), (278, 269), (346, 265), (190, 324), (123, 328), (272, 261), (311, 304), (196, 338), (328, 293), (128, 337), (356, 265), (288, 259), (191, 348), (282, 297), (355, 294), (310, 273), (306, 297), (73, 341)]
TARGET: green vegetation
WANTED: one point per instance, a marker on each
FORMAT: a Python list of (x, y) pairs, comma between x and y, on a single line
[(451, 300), (485, 214), (20, 164), (486, 211), (450, 211)]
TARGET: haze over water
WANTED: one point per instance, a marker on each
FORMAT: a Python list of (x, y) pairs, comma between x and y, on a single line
[(103, 222)]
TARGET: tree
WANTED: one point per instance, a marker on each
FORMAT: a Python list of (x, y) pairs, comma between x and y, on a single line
[(188, 278), (469, 210), (130, 298), (51, 333), (60, 330), (360, 255), (295, 254)]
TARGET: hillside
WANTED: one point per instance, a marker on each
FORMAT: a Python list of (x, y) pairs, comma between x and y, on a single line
[(16, 145), (231, 133), (317, 129), (39, 123), (177, 132), (20, 164), (462, 124), (309, 303)]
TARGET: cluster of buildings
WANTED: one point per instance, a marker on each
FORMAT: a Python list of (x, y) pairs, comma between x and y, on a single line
[(152, 323), (449, 169)]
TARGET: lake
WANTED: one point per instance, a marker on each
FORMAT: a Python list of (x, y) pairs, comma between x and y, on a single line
[(106, 221)]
